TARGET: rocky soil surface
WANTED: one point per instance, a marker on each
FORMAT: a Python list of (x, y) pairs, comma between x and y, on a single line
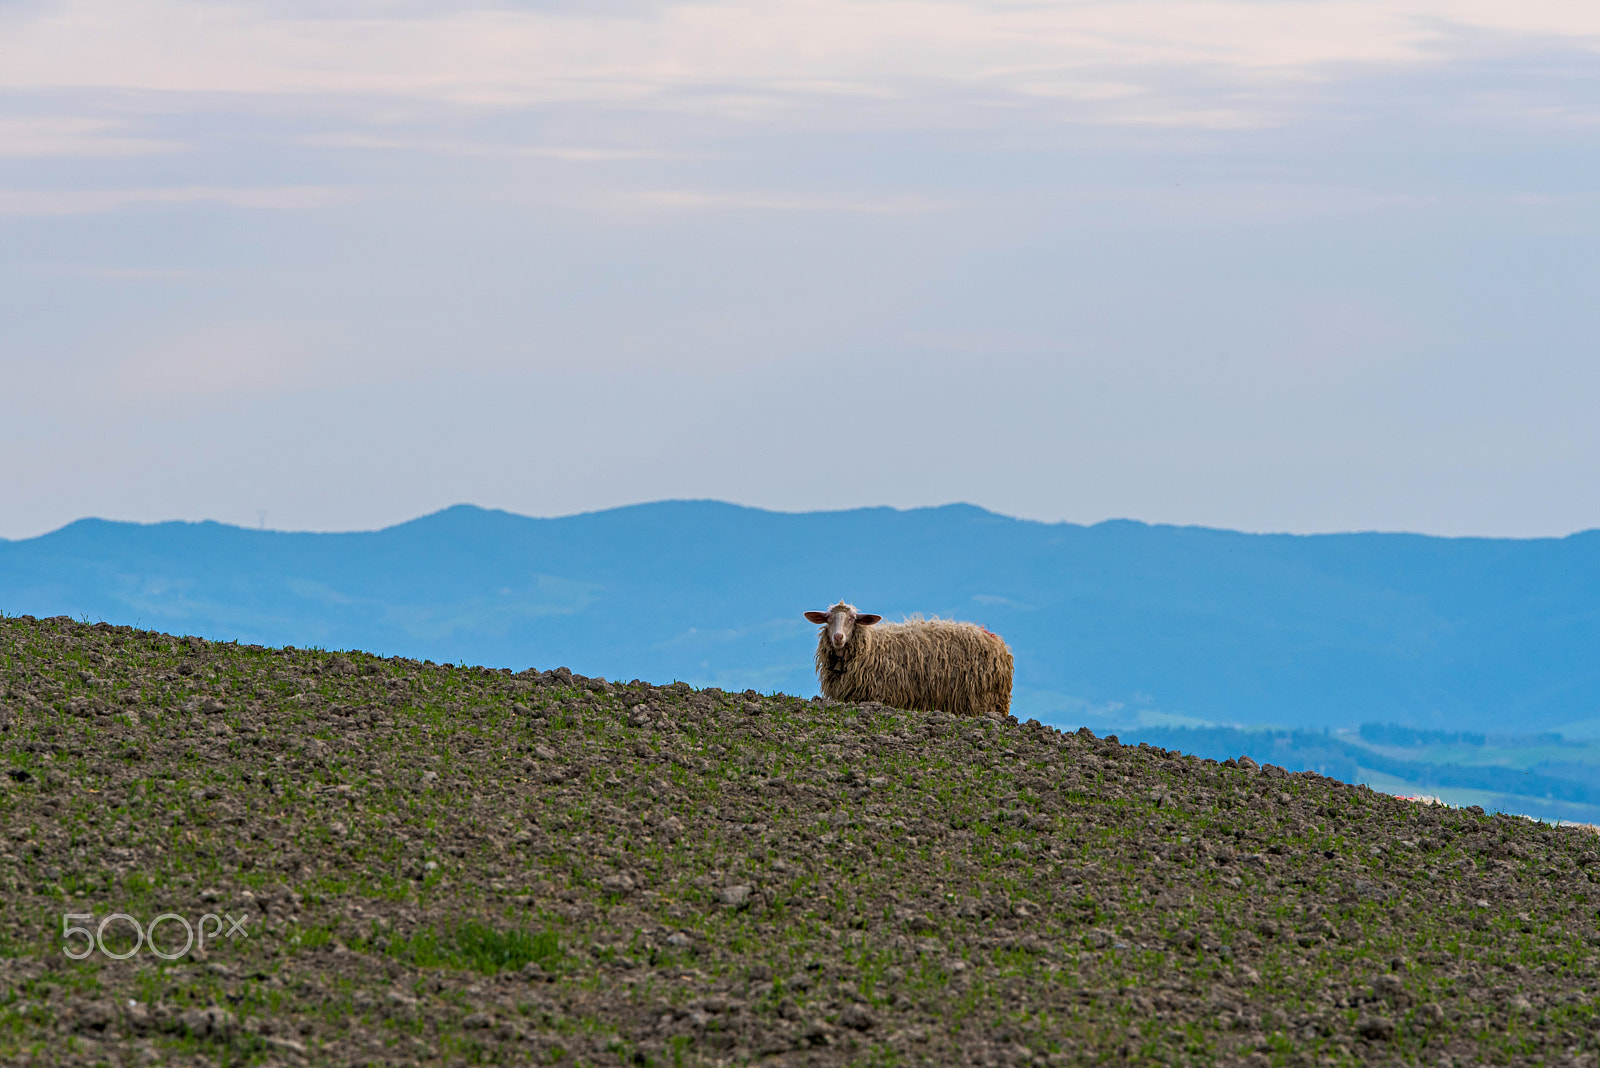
[(399, 862)]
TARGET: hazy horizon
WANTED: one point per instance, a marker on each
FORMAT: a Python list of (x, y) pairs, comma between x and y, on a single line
[(268, 528)]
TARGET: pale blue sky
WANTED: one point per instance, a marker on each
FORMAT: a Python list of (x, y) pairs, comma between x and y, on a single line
[(1265, 265)]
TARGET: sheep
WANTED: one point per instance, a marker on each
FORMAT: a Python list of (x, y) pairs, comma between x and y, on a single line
[(927, 664)]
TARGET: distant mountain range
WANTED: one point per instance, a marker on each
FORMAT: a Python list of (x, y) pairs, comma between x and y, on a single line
[(1114, 625)]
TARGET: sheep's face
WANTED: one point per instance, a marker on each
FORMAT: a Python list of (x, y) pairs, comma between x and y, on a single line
[(840, 622)]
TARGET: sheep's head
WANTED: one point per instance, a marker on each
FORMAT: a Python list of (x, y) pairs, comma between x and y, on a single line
[(840, 622)]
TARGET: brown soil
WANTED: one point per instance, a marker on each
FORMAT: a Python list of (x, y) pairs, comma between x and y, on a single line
[(437, 864)]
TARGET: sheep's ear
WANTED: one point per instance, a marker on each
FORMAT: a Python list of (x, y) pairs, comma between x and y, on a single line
[(867, 620), (817, 617)]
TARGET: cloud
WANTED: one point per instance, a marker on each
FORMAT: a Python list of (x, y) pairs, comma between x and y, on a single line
[(93, 201), (1090, 58), (447, 147), (67, 135), (688, 200)]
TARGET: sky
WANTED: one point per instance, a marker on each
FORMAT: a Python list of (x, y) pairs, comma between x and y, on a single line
[(1277, 265)]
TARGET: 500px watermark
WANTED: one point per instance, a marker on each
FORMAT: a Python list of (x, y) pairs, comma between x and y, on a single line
[(143, 936)]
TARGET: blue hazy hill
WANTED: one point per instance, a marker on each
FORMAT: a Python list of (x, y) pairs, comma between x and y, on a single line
[(1116, 623)]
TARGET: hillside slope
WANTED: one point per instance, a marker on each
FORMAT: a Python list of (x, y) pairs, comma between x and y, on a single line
[(1112, 624), (446, 865)]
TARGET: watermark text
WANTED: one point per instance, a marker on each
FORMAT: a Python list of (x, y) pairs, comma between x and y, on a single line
[(121, 925)]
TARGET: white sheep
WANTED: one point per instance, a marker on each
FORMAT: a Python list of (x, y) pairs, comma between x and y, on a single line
[(928, 664)]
